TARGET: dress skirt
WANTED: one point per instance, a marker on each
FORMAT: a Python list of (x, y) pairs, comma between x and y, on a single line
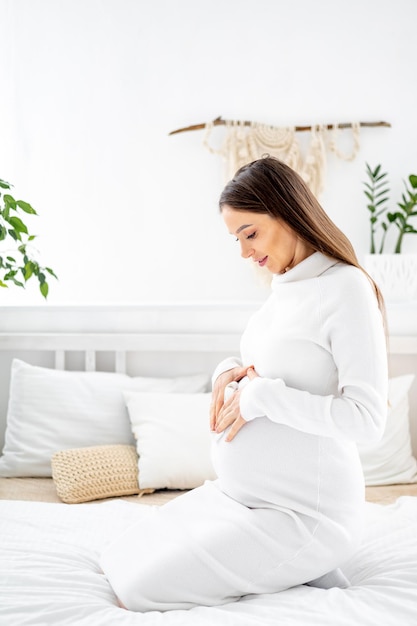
[(213, 545)]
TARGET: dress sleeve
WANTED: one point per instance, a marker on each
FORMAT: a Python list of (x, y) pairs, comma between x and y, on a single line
[(352, 327)]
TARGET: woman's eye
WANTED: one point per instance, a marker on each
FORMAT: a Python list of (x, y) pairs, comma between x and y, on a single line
[(251, 236)]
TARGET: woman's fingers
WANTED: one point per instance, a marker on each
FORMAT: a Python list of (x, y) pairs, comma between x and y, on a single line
[(224, 419), (219, 386), (217, 402), (230, 416), (212, 416), (215, 408), (234, 429)]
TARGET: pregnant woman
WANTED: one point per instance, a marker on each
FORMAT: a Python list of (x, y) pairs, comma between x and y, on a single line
[(311, 381)]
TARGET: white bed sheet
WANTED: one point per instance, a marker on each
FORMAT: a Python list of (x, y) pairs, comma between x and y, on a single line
[(49, 573)]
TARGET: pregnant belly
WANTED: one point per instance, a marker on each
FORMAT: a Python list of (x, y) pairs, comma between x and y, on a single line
[(274, 465)]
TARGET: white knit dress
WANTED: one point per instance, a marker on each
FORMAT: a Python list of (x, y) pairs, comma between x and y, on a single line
[(288, 502)]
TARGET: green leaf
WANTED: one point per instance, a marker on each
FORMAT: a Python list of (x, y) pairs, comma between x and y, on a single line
[(28, 270), (10, 273), (413, 180), (17, 283), (26, 207), (44, 289), (383, 185), (18, 225), (9, 201), (51, 271), (4, 185), (14, 235)]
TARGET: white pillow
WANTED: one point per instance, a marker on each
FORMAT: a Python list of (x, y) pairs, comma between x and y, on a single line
[(172, 438), (53, 410), (391, 460)]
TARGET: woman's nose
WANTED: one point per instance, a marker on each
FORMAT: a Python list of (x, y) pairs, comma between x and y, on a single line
[(246, 251)]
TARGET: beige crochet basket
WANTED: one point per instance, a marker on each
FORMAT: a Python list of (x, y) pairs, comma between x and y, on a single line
[(84, 474)]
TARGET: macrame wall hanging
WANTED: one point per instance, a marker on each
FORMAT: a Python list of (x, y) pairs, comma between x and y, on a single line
[(246, 141)]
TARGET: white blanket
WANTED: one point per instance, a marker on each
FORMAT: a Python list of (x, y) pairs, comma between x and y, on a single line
[(49, 573)]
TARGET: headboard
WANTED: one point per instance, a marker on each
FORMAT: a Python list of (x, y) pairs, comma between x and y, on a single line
[(143, 340)]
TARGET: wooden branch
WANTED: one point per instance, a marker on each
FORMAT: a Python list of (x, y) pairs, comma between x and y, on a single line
[(219, 121)]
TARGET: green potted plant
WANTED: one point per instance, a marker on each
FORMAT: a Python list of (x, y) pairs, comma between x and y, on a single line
[(17, 264), (394, 271)]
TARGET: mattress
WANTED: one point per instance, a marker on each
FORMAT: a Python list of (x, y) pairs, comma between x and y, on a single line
[(50, 574), (43, 490)]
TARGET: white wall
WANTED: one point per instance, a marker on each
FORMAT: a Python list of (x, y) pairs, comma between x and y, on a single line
[(91, 88)]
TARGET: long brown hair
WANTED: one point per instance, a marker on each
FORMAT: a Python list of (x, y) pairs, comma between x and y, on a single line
[(268, 185)]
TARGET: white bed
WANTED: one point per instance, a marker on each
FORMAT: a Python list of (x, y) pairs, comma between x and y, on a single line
[(49, 551), (50, 573)]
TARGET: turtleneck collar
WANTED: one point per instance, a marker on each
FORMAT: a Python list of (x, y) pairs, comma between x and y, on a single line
[(311, 267)]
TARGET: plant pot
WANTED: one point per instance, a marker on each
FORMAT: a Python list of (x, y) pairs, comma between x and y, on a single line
[(395, 275)]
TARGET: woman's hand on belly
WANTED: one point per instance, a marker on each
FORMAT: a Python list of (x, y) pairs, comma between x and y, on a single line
[(220, 384), (229, 414)]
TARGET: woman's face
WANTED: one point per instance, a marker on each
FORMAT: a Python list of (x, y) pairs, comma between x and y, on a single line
[(267, 240)]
